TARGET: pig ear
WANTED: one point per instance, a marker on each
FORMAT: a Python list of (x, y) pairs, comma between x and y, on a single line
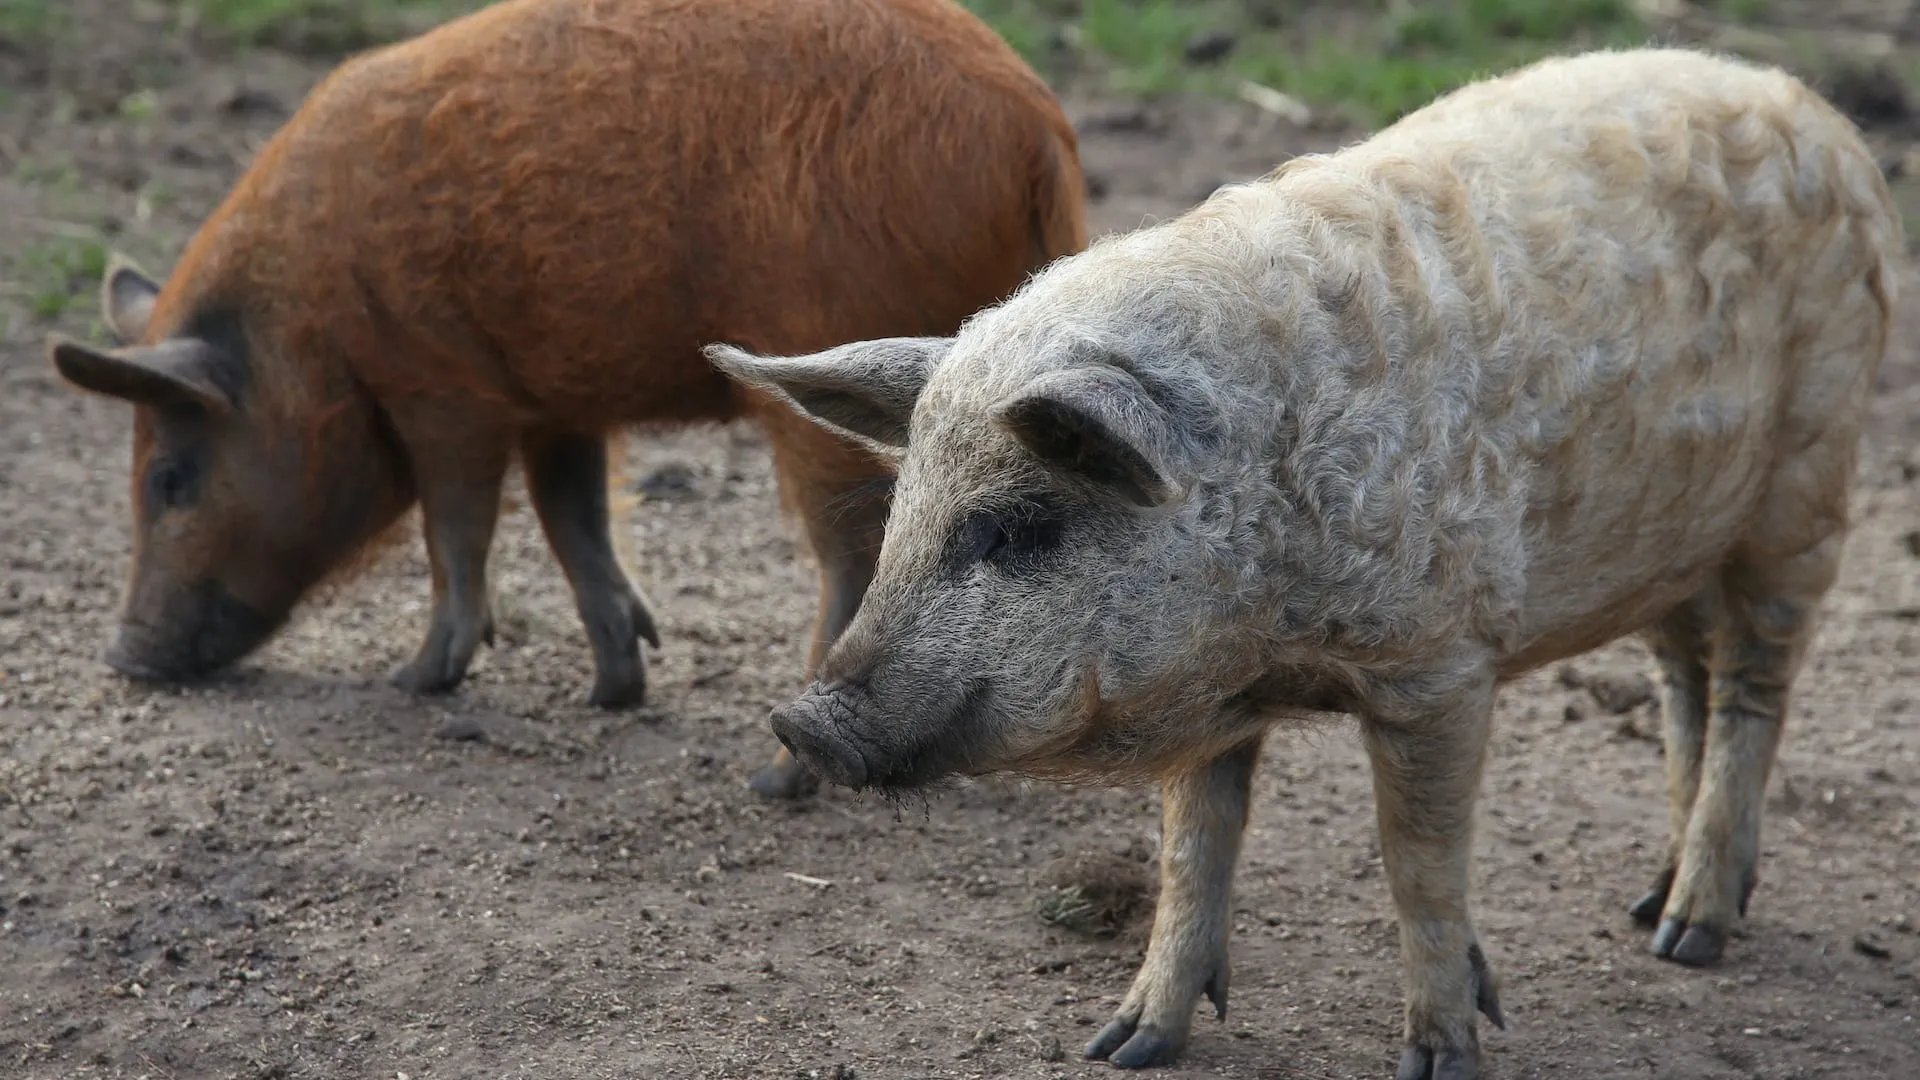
[(866, 388), (181, 372), (1098, 422), (126, 298)]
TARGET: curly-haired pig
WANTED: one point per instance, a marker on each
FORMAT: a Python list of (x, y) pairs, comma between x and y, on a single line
[(512, 235), (1575, 353)]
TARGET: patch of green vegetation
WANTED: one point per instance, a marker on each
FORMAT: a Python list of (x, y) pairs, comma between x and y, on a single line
[(57, 175), (29, 21), (1145, 42), (321, 27), (1373, 59), (140, 106), (62, 270), (1028, 25), (1380, 71), (154, 195), (1744, 11)]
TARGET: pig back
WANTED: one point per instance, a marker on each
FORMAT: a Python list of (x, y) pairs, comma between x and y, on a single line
[(1592, 333), (555, 203), (1680, 299)]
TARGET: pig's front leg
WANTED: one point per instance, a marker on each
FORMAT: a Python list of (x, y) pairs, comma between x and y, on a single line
[(458, 467), (1427, 757), (1204, 814)]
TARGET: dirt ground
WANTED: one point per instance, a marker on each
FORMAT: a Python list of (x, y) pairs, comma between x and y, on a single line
[(299, 872)]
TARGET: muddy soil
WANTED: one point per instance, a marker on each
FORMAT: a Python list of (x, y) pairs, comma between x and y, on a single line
[(299, 872)]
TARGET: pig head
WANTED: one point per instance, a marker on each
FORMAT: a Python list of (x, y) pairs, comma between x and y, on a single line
[(1048, 593), (246, 489)]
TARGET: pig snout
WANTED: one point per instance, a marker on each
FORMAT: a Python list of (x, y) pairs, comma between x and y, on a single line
[(203, 630), (815, 728)]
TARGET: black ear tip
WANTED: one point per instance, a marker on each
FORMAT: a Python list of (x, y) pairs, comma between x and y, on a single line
[(75, 362), (61, 349)]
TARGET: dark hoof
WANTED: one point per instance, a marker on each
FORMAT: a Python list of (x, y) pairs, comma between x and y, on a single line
[(1426, 1063), (424, 679), (1694, 946), (784, 779), (619, 692), (444, 657), (1646, 910), (620, 672), (1126, 1046), (644, 626), (1486, 992)]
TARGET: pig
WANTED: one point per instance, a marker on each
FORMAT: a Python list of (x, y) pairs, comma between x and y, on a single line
[(511, 235), (1571, 354)]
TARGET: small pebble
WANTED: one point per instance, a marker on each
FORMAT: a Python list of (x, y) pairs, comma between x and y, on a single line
[(1866, 946), (460, 729)]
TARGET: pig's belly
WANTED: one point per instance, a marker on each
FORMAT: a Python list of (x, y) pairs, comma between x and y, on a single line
[(1626, 531)]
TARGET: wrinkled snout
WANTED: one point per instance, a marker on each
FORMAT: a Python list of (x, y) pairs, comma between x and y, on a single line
[(201, 631), (848, 735), (816, 729)]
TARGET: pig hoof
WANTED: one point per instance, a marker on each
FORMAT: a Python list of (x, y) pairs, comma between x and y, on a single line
[(1125, 1045), (425, 676), (1421, 1062), (1646, 910), (1486, 992), (444, 657), (1694, 946), (616, 631), (784, 780), (619, 689)]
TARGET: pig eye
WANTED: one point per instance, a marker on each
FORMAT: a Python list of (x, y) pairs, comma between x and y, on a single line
[(1009, 540), (171, 482)]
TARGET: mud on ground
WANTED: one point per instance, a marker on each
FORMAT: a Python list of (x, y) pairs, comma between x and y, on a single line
[(298, 872)]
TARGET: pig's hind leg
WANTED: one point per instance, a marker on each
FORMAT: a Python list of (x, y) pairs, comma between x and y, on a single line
[(1678, 643), (1204, 816), (567, 479), (1761, 632)]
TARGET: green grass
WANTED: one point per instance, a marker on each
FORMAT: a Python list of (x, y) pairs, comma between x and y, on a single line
[(31, 21), (1385, 70), (1374, 60), (140, 106), (62, 270), (1744, 11), (1026, 24), (58, 175), (320, 26)]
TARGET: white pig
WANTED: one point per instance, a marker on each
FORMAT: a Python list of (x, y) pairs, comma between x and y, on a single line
[(1575, 353)]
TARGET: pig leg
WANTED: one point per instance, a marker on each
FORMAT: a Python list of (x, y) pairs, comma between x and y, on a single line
[(1763, 629), (1204, 815), (1426, 777), (567, 478), (459, 485), (1679, 646), (841, 498)]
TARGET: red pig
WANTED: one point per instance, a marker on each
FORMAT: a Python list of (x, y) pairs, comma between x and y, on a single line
[(514, 233)]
